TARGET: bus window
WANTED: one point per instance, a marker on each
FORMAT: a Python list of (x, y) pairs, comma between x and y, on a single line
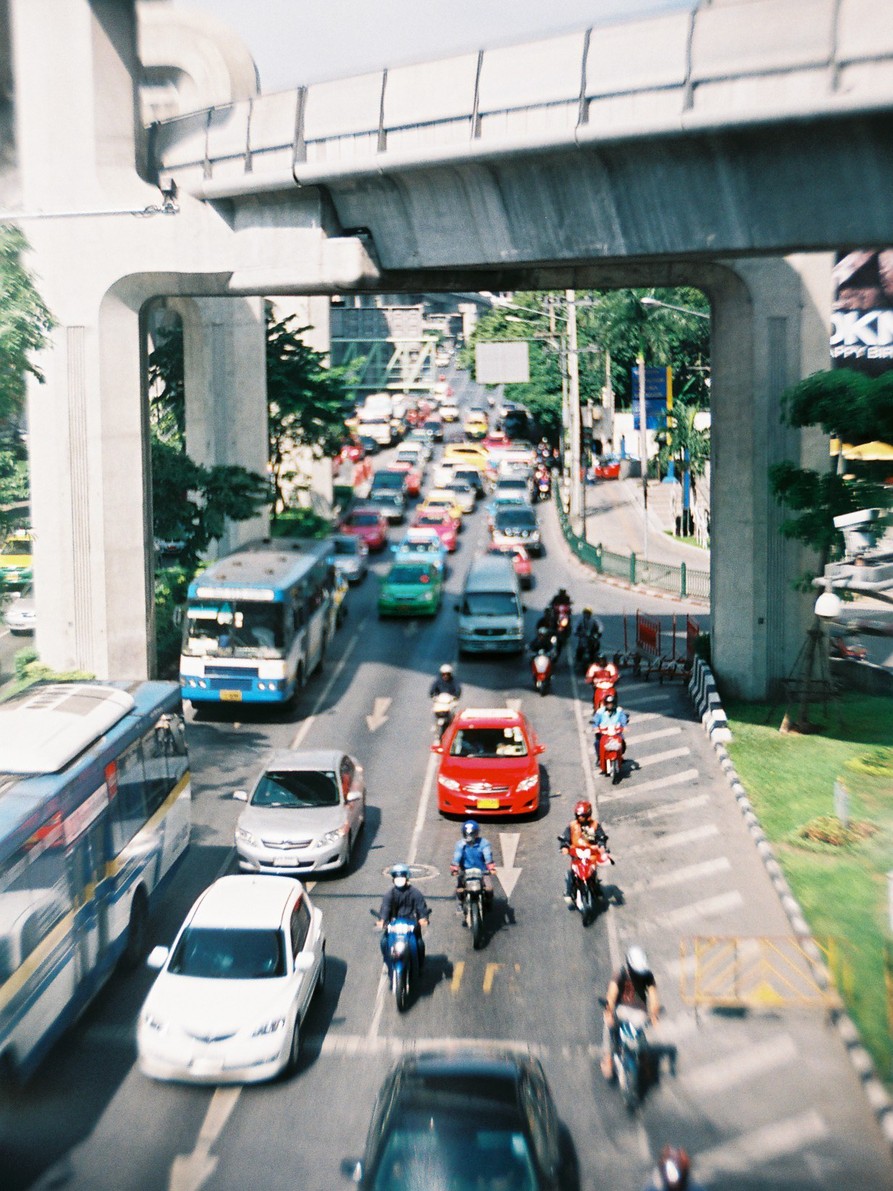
[(33, 897), (128, 803)]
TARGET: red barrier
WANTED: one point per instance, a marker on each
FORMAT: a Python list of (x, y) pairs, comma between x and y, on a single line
[(692, 632), (648, 634)]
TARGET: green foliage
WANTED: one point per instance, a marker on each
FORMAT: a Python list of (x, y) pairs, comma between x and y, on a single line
[(855, 408), (191, 504), (25, 323), (301, 523), (171, 584), (306, 399), (679, 434), (167, 388)]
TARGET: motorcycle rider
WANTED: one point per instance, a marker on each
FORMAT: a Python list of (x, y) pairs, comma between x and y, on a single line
[(472, 850), (545, 641), (602, 670), (403, 900), (445, 683), (609, 715), (673, 1172), (588, 633), (560, 597), (632, 985), (582, 829)]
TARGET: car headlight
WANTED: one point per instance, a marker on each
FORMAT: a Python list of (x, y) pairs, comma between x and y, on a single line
[(332, 837), (269, 1027), (153, 1023), (450, 783), (528, 783), (246, 837)]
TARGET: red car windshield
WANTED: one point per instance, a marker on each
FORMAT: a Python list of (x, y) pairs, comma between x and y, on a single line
[(489, 742), (363, 519)]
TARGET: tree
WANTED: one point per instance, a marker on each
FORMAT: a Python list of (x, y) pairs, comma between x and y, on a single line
[(682, 442), (25, 323), (307, 400), (854, 408)]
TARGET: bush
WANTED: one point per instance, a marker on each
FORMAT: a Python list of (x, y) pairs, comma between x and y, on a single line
[(171, 585), (300, 523)]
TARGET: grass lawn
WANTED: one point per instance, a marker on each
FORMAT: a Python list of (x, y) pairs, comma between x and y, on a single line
[(838, 876)]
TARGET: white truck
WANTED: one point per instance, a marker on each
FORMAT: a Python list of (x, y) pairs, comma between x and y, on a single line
[(374, 418)]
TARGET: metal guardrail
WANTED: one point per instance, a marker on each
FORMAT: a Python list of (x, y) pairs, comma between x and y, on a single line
[(679, 581)]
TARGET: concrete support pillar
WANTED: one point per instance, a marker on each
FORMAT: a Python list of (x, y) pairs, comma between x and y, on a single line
[(771, 323), (224, 356)]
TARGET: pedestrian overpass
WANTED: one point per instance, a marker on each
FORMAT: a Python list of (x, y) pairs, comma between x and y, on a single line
[(733, 147)]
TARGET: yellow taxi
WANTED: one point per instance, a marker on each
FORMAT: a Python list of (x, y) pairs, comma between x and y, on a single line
[(15, 559), (442, 500), (476, 426), (468, 453)]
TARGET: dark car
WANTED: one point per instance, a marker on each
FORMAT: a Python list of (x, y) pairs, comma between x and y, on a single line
[(465, 1120), (472, 476)]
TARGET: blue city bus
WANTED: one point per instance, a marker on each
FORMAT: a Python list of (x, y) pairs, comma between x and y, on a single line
[(257, 623), (95, 813)]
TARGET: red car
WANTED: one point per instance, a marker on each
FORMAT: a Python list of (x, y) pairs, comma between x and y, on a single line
[(520, 561), (367, 524), (413, 482), (441, 522), (489, 764), (607, 469), (352, 451)]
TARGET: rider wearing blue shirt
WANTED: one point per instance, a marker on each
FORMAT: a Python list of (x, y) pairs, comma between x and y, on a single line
[(608, 716), (472, 851)]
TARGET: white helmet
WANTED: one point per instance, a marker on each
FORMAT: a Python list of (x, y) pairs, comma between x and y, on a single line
[(446, 669), (637, 961)]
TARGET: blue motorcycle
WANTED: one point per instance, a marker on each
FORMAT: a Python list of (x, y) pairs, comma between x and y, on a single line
[(631, 1054), (401, 955)]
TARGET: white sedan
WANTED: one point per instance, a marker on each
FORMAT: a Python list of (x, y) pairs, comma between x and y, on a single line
[(232, 993)]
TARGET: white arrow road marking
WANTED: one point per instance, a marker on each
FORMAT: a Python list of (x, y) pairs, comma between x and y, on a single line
[(507, 873), (379, 714), (190, 1171)]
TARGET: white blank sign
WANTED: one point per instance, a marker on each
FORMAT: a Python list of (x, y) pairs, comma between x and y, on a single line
[(502, 363)]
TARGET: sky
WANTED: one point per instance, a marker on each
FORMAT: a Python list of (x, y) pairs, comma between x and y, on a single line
[(294, 42)]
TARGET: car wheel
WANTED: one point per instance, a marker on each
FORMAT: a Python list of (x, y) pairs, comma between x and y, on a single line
[(294, 1053), (321, 978), (137, 931)]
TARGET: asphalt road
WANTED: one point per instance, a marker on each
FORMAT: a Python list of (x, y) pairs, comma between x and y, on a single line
[(760, 1100)]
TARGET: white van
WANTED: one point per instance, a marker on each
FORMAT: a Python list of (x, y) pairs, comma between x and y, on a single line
[(491, 615)]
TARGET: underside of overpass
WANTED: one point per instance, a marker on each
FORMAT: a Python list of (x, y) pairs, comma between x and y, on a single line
[(731, 214)]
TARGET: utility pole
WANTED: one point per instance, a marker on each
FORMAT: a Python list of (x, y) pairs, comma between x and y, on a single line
[(643, 450), (573, 397)]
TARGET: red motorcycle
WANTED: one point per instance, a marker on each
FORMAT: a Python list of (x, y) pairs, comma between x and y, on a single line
[(586, 888), (604, 683), (611, 747), (562, 622), (542, 664)]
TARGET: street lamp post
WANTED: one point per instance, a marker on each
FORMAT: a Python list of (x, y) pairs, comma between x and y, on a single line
[(573, 398)]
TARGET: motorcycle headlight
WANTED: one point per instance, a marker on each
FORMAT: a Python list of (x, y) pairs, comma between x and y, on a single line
[(399, 948), (449, 782), (528, 783), (245, 837), (269, 1027)]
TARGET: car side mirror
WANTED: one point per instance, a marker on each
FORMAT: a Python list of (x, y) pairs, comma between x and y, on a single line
[(540, 748), (436, 748), (157, 957), (240, 795), (304, 961)]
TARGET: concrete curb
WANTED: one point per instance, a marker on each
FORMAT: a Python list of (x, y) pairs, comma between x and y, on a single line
[(705, 697)]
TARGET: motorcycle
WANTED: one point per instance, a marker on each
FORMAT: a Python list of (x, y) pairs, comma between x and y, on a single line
[(401, 958), (541, 665), (543, 484), (631, 1053), (610, 752), (563, 622), (443, 708), (474, 902), (586, 888), (588, 646)]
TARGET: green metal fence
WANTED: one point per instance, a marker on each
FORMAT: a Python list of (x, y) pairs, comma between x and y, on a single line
[(679, 580)]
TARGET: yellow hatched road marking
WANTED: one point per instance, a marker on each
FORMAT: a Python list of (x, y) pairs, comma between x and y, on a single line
[(458, 971), (489, 975)]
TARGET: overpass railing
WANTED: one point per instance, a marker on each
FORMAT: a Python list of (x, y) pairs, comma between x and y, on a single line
[(726, 65), (681, 581)]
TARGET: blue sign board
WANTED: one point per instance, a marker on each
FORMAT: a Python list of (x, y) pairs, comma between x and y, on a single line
[(658, 396)]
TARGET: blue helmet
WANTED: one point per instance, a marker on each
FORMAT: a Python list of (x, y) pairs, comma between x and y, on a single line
[(471, 833), (400, 870)]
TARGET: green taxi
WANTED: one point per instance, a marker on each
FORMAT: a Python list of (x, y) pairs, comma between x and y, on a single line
[(15, 560), (411, 588)]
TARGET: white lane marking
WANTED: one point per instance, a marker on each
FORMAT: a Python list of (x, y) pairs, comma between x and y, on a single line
[(507, 873), (751, 1152), (677, 840), (708, 907), (657, 758), (666, 808), (383, 987), (358, 1044), (691, 872), (324, 693), (190, 1171), (660, 734), (661, 783), (747, 1063), (379, 714), (586, 755)]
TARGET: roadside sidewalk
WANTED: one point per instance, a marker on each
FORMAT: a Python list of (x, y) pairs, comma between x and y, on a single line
[(615, 519)]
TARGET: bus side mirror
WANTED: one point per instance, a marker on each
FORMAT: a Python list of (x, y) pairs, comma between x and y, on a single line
[(177, 617)]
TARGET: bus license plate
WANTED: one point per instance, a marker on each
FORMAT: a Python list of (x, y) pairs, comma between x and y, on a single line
[(487, 804), (231, 696)]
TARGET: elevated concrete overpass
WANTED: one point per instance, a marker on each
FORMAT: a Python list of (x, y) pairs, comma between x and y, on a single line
[(733, 148)]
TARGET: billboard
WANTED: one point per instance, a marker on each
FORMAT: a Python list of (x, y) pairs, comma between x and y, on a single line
[(503, 363), (658, 396), (862, 311)]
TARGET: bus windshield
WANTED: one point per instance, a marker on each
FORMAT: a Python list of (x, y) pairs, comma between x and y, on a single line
[(234, 628)]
